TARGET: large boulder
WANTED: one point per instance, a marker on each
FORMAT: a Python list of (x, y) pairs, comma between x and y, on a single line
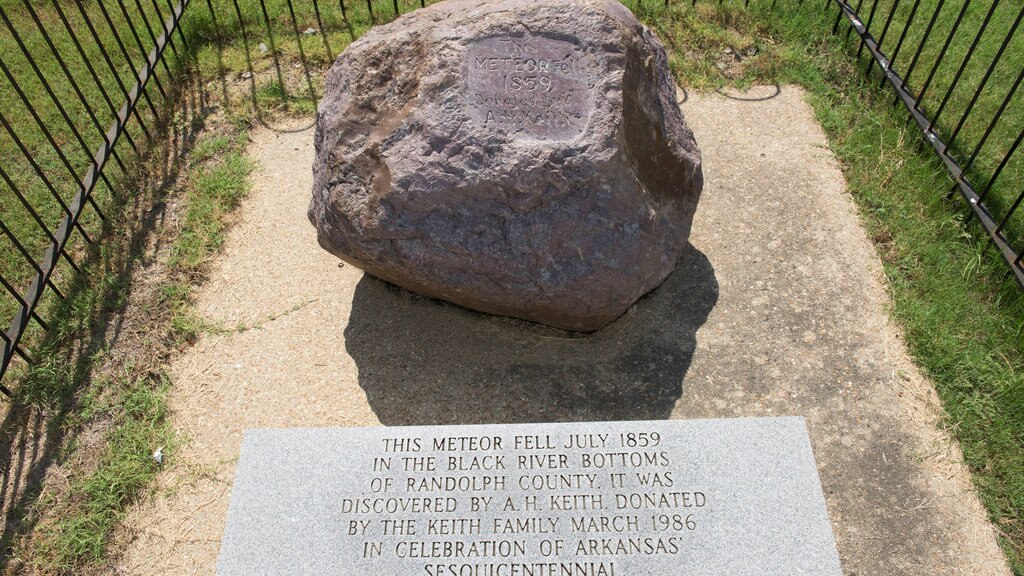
[(520, 158)]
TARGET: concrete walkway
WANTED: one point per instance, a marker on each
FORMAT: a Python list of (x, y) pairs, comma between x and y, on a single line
[(778, 308)]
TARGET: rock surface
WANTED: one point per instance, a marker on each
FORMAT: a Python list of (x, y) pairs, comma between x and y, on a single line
[(526, 159)]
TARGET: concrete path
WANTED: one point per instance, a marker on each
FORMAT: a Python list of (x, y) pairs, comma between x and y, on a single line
[(779, 308)]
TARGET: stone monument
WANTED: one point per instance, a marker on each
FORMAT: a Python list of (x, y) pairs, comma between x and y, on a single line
[(527, 159)]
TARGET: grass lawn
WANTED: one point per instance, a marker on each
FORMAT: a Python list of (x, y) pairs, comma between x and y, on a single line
[(962, 315)]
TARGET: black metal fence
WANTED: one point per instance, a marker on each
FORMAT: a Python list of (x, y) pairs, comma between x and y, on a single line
[(897, 38), (89, 86), (63, 150)]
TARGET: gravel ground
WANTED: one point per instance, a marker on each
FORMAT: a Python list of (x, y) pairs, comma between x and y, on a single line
[(778, 308)]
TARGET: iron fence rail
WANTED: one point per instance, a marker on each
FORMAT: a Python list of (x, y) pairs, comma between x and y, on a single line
[(127, 52), (95, 171), (945, 146)]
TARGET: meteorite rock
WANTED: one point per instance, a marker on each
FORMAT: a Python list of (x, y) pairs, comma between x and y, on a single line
[(520, 158)]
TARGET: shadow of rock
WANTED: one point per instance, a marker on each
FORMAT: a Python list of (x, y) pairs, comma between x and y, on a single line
[(422, 361)]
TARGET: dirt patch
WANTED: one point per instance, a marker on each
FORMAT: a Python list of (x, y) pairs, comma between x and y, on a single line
[(778, 308)]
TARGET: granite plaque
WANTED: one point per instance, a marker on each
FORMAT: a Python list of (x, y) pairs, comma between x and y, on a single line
[(695, 497)]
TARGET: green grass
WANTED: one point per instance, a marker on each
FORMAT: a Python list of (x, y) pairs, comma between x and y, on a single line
[(76, 389), (218, 180), (88, 113), (227, 53), (215, 50), (962, 316), (97, 501), (216, 186), (75, 530), (82, 383)]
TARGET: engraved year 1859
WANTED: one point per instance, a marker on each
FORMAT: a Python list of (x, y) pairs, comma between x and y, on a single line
[(529, 83)]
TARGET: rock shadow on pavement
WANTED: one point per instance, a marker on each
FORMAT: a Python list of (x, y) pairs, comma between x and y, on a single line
[(422, 361)]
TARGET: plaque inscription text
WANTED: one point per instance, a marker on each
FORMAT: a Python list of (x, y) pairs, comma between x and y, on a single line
[(707, 498), (522, 504)]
